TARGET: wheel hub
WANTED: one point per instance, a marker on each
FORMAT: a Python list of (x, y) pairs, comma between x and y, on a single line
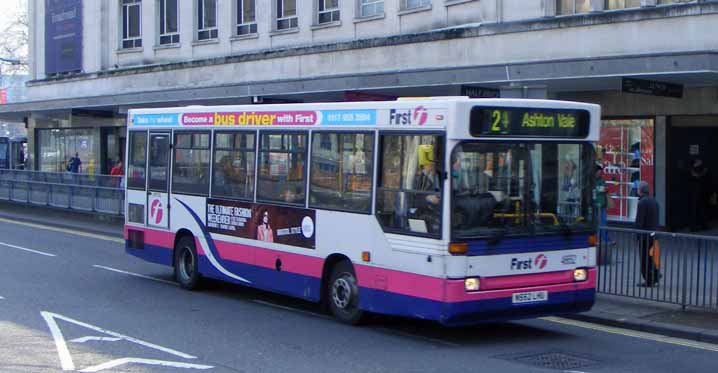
[(341, 292)]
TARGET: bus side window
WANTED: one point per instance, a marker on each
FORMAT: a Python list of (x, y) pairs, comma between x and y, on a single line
[(138, 160), (342, 169), (233, 171), (409, 193), (281, 175), (190, 169)]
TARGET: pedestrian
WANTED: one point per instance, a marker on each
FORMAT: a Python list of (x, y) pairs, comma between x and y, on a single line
[(600, 201), (647, 220), (698, 183), (75, 164), (118, 170)]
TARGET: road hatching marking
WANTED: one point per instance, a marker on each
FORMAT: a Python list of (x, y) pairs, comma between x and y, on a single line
[(68, 364), (132, 360), (26, 249), (634, 334), (93, 338), (66, 231), (135, 274)]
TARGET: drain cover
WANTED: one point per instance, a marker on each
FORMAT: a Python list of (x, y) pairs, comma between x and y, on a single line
[(555, 360)]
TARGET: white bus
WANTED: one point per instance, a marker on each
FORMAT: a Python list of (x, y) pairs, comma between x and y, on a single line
[(450, 209)]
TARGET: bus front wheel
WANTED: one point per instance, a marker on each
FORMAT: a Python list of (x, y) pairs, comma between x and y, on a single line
[(343, 294), (186, 266)]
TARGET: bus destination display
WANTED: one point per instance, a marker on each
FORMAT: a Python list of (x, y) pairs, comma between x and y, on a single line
[(533, 122)]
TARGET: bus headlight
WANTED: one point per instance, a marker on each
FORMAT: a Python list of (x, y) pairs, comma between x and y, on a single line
[(472, 284), (580, 274)]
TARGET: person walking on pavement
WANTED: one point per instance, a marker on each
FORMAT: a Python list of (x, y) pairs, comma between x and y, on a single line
[(647, 220), (75, 164)]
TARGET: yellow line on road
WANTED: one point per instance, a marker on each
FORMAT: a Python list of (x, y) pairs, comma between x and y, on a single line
[(634, 334), (66, 231)]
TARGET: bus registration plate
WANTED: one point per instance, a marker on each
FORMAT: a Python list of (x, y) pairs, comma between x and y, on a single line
[(530, 297)]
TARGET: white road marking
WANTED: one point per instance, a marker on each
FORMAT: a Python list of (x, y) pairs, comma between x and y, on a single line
[(135, 274), (290, 308), (1, 297), (132, 360), (26, 249), (64, 353), (91, 338), (66, 231), (635, 334)]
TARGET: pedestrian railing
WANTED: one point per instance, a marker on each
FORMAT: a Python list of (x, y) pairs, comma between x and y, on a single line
[(92, 193), (684, 268)]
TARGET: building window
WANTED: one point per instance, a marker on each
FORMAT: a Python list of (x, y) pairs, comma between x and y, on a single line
[(370, 8), (327, 11), (287, 15), (409, 192), (281, 170), (131, 24), (342, 172), (413, 4), (622, 4), (625, 150), (190, 169), (233, 171), (573, 6), (206, 19), (169, 22), (246, 17)]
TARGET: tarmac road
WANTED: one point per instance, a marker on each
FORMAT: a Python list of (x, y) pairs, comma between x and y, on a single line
[(76, 302)]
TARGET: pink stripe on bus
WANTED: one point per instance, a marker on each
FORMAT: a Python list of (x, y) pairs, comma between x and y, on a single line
[(404, 283), (517, 281), (154, 237), (455, 291)]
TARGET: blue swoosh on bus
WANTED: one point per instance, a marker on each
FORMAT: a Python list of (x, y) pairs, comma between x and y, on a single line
[(211, 246)]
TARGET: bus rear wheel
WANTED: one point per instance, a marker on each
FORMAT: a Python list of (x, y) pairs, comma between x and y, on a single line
[(343, 294), (186, 264)]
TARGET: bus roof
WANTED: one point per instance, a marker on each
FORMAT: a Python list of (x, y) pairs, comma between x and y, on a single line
[(423, 113)]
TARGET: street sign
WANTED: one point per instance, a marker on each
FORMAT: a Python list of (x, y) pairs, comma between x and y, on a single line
[(653, 88), (479, 92)]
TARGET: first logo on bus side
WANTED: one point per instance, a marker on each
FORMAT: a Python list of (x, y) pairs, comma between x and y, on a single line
[(408, 117)]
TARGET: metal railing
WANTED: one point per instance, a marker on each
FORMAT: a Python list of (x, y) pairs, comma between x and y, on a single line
[(91, 193), (684, 269)]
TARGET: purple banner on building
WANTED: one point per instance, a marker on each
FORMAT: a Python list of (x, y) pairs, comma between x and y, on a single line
[(63, 36)]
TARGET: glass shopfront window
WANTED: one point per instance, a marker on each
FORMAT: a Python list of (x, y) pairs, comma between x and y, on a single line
[(625, 150), (58, 145)]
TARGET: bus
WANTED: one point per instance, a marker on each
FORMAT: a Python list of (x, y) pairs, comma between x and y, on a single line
[(12, 152), (451, 209)]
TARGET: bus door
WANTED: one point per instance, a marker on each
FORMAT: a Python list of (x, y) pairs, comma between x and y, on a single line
[(158, 180)]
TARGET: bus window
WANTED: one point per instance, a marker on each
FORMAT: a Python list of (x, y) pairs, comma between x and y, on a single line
[(409, 192), (282, 159), (190, 170), (138, 160), (233, 171), (342, 171)]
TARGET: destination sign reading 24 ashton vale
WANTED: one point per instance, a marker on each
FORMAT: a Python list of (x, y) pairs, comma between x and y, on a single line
[(519, 122)]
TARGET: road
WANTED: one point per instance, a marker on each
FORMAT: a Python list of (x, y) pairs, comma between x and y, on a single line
[(76, 302)]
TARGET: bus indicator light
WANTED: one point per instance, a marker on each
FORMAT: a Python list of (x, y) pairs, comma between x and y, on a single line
[(458, 248), (366, 256)]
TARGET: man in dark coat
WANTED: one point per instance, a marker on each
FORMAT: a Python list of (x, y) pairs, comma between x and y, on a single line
[(647, 220)]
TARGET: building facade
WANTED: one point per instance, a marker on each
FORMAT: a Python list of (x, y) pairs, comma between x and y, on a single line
[(651, 64)]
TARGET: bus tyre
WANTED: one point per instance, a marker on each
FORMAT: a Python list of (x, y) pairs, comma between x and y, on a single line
[(343, 294), (186, 263)]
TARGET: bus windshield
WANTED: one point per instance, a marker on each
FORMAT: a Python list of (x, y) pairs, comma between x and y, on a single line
[(521, 188)]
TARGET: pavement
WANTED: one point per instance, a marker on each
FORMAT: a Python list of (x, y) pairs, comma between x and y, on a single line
[(629, 313)]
